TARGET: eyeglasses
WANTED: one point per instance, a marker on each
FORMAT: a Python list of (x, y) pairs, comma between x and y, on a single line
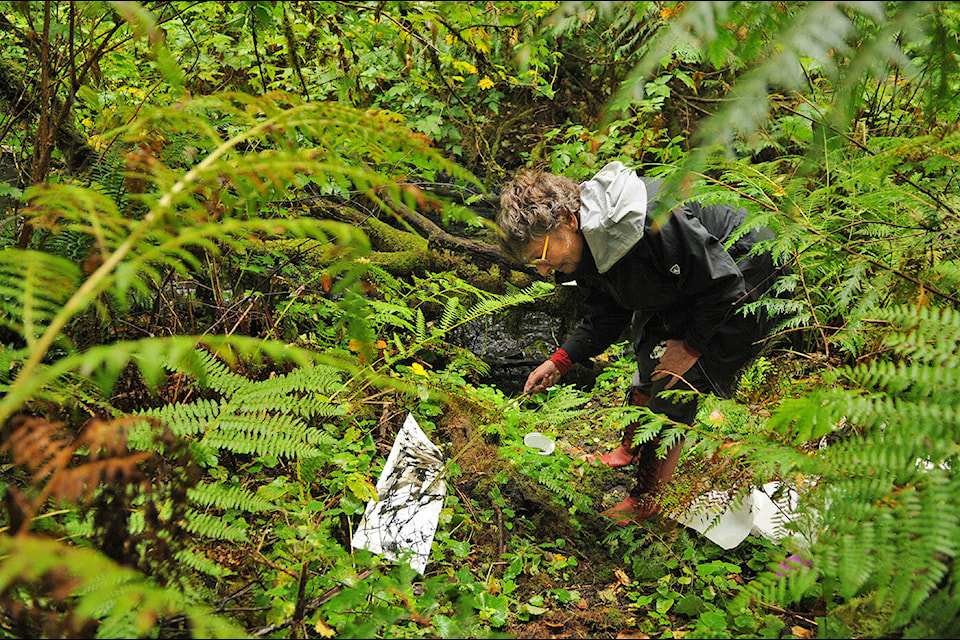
[(543, 256)]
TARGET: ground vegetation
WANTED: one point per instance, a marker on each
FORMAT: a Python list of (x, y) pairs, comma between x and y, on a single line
[(242, 242)]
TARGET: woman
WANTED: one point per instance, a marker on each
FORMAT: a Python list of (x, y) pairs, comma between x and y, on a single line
[(672, 279)]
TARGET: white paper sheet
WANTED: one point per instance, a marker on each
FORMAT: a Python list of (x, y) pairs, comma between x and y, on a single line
[(729, 524), (402, 524)]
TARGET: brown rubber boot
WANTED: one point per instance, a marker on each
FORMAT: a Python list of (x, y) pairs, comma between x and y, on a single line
[(633, 510), (626, 453), (653, 473)]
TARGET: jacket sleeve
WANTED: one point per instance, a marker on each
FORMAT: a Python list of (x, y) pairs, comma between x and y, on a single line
[(601, 326), (704, 273)]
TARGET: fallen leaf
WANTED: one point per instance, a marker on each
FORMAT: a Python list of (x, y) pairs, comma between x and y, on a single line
[(324, 630), (608, 594), (801, 632), (625, 635), (622, 577), (581, 604)]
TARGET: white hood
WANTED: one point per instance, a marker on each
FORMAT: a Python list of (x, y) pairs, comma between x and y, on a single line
[(612, 212)]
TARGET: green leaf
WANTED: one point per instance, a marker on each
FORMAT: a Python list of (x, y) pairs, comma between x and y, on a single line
[(361, 487)]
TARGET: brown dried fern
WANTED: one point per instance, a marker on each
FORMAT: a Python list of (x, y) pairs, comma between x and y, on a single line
[(58, 466), (97, 470), (69, 469)]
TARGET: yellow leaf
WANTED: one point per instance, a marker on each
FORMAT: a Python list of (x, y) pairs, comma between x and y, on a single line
[(324, 631), (418, 369), (485, 83), (354, 344), (361, 487)]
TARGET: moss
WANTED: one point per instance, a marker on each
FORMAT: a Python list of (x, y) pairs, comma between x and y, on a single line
[(387, 238), (486, 280), (862, 618), (400, 263)]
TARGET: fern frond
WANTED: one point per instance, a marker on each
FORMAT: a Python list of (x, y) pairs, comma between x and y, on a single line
[(210, 371), (911, 381), (420, 329), (302, 392), (200, 563), (222, 496), (262, 442), (33, 288), (210, 526), (450, 315), (560, 485), (497, 304), (391, 315), (189, 419), (887, 530), (104, 363), (91, 587), (176, 223)]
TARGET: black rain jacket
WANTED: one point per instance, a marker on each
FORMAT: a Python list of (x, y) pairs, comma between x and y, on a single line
[(679, 281)]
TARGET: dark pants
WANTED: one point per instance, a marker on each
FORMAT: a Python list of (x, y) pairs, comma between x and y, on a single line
[(652, 471), (707, 375)]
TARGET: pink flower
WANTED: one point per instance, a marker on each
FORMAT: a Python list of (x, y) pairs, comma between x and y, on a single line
[(791, 562)]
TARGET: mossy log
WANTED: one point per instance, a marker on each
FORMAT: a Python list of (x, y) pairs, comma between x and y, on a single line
[(404, 253)]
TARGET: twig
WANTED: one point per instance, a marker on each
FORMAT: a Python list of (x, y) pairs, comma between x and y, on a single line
[(469, 444), (298, 612), (256, 47), (312, 606), (813, 311)]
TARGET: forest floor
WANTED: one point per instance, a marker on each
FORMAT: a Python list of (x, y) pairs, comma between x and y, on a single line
[(604, 600)]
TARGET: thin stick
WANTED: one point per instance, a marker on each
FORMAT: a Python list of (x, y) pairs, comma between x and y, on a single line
[(469, 444)]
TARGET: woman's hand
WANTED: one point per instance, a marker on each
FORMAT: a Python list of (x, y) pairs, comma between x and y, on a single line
[(541, 378), (674, 362)]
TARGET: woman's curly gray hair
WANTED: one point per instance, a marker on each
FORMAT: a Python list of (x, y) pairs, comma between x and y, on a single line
[(533, 204)]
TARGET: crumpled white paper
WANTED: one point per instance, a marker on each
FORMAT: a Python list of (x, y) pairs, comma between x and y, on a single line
[(402, 524), (758, 513)]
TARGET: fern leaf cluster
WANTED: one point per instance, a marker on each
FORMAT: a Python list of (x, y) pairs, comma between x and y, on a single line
[(228, 497), (212, 526), (454, 316), (116, 597), (886, 495), (33, 287), (265, 417)]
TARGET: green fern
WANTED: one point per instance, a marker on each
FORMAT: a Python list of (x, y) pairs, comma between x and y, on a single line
[(97, 589), (327, 142), (33, 288), (451, 311), (228, 497), (420, 329), (262, 418), (211, 526), (201, 564), (887, 528), (454, 316)]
